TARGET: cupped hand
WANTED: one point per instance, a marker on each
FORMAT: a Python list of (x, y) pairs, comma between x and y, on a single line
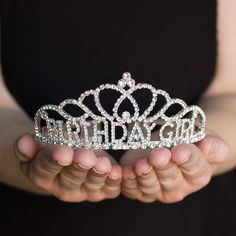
[(161, 174), (70, 175), (169, 175)]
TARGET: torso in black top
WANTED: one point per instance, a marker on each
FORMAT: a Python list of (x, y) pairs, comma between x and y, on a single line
[(52, 50)]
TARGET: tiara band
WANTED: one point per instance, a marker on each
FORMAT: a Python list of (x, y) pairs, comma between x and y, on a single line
[(100, 131)]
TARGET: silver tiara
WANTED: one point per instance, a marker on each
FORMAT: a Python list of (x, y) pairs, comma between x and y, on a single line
[(99, 131)]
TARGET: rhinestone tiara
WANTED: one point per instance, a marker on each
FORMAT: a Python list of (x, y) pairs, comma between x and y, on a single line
[(99, 131)]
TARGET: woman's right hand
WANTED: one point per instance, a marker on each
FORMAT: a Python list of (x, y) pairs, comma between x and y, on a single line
[(71, 176)]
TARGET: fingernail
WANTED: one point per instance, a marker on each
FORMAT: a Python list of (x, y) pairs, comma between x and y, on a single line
[(63, 164), (132, 177), (147, 171), (162, 161), (82, 167), (19, 145), (113, 177), (18, 152), (183, 160), (21, 156), (98, 172)]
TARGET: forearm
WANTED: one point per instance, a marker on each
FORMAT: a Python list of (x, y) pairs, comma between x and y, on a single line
[(221, 117), (13, 123)]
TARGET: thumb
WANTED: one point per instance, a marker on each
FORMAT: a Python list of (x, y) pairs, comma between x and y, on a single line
[(26, 147), (214, 148)]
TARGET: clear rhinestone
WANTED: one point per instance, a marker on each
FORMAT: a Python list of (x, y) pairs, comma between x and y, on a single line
[(125, 115)]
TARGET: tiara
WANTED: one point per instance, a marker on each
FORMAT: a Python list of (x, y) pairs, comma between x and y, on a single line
[(98, 130)]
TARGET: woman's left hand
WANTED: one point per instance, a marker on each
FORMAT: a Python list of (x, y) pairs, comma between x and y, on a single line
[(170, 175)]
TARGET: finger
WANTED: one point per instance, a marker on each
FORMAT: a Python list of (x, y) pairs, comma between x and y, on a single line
[(48, 163), (192, 163), (128, 159), (26, 147), (74, 175), (214, 148), (147, 178), (116, 172), (112, 185), (97, 175), (100, 153), (130, 184), (169, 175)]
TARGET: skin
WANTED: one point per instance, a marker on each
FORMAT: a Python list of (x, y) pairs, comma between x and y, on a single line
[(69, 175), (165, 175), (169, 175)]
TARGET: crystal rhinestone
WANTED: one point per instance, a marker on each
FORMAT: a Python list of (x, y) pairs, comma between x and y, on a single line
[(125, 115), (126, 75), (131, 83), (121, 83)]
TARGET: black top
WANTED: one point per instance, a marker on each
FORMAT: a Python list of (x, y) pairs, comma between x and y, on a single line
[(52, 50)]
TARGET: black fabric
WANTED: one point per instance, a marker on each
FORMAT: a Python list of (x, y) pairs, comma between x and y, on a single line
[(52, 50)]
